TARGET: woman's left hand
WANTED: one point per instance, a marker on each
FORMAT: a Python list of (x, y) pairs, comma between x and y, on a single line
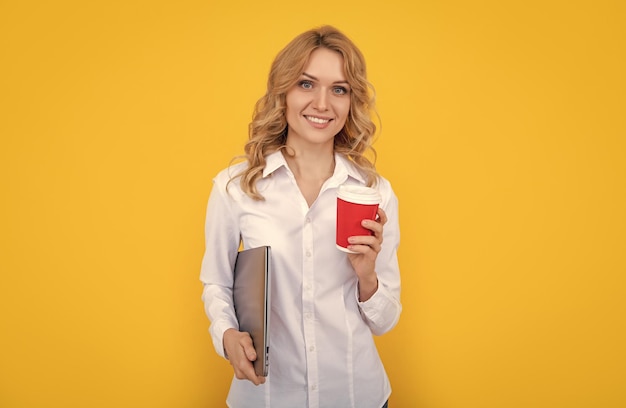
[(367, 248)]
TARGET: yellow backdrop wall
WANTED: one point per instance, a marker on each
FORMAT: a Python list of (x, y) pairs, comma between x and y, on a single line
[(503, 135)]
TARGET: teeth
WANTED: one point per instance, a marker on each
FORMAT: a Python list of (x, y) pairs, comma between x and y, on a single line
[(317, 120)]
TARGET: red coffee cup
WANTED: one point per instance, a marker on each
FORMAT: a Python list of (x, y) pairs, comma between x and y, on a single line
[(354, 204)]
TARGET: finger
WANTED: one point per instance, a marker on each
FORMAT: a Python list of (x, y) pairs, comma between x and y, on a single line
[(251, 376), (365, 250), (364, 244), (248, 347), (240, 351), (376, 227), (248, 369), (244, 370), (382, 216)]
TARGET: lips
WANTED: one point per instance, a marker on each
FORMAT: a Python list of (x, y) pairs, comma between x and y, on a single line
[(317, 120)]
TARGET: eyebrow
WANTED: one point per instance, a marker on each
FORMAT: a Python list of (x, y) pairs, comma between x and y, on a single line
[(315, 79)]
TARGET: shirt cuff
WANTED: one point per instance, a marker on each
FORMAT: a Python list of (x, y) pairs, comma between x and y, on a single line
[(381, 312), (217, 334), (372, 304)]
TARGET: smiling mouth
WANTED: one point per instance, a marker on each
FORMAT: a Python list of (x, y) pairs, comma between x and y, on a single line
[(317, 120)]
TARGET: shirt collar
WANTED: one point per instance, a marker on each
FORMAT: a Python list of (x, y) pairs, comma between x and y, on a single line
[(273, 162), (344, 168)]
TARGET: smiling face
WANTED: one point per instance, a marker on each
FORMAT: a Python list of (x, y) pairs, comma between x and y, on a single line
[(319, 103)]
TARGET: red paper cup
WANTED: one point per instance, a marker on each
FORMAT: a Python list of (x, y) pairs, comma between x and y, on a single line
[(354, 204)]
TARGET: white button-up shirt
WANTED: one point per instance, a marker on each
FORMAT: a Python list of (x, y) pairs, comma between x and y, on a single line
[(321, 351)]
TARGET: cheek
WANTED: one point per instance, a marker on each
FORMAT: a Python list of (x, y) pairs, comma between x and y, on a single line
[(294, 103), (290, 116), (344, 110), (290, 106)]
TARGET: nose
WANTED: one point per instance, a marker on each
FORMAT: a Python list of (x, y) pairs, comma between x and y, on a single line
[(320, 101)]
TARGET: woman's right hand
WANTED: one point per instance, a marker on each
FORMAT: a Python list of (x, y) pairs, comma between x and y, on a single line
[(241, 354)]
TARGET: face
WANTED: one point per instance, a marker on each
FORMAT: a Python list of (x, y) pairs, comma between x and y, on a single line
[(318, 105)]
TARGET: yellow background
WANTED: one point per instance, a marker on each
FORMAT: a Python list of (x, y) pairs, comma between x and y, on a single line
[(503, 135)]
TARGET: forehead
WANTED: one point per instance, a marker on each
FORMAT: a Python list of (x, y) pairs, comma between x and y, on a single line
[(325, 64)]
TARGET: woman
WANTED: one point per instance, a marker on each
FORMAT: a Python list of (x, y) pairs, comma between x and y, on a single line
[(309, 135)]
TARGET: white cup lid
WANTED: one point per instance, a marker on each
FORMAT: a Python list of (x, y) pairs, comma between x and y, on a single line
[(359, 194)]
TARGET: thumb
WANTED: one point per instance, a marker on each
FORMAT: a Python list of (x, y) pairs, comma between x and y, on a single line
[(251, 354), (248, 348)]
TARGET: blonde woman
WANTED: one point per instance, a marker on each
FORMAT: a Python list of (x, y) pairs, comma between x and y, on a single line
[(311, 132)]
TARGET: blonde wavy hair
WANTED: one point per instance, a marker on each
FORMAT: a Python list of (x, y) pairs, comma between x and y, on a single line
[(268, 129)]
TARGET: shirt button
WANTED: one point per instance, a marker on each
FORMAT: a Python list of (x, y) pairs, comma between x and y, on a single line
[(308, 220), (308, 254), (314, 387), (312, 348)]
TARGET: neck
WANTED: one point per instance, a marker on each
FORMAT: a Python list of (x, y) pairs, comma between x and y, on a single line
[(309, 164), (310, 170)]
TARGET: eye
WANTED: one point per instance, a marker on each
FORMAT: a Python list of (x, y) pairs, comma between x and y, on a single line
[(305, 84), (340, 90)]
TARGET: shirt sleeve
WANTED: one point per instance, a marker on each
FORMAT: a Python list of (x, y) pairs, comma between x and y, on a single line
[(221, 245), (382, 311)]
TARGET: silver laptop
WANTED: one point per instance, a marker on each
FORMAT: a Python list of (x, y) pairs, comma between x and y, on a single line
[(251, 298)]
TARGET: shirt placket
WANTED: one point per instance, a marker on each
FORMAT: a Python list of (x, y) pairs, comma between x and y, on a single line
[(308, 310)]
